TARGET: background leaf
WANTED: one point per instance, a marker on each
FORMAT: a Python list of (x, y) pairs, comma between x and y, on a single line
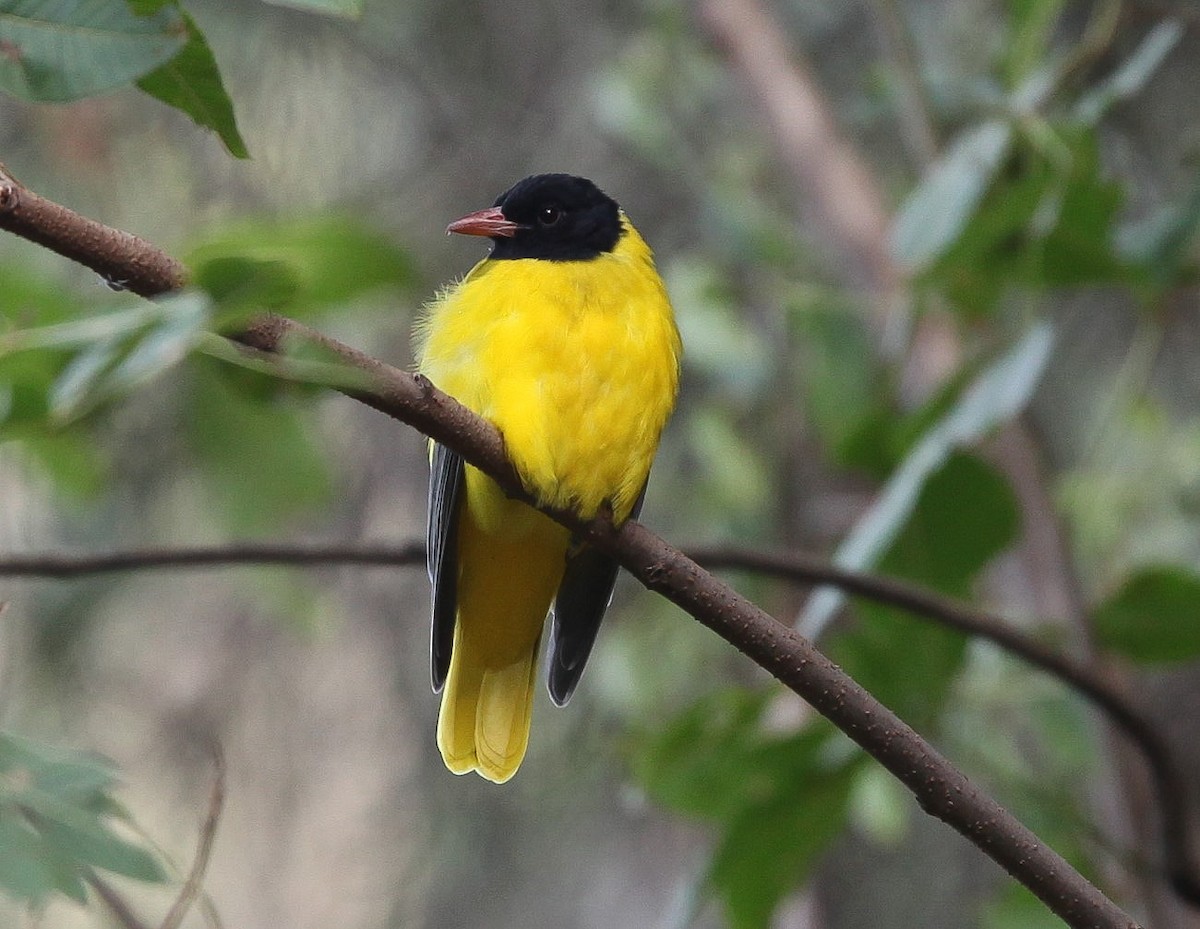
[(999, 393), (936, 212), (303, 265), (1154, 617)]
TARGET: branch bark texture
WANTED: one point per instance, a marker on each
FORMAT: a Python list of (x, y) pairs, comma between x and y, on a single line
[(939, 787)]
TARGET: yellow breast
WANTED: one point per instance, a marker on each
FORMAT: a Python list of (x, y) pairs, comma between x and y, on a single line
[(576, 362)]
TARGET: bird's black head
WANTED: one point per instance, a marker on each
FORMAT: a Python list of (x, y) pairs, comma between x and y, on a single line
[(557, 217)]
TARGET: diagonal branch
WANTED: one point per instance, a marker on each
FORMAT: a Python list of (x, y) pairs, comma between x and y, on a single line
[(940, 788), (122, 259)]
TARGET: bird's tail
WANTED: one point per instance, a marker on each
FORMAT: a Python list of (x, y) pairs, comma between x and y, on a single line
[(484, 720)]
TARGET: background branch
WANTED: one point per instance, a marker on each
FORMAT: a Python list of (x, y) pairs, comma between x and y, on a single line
[(939, 787), (1095, 683)]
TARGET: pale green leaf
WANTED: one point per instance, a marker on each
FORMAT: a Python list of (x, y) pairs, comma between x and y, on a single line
[(937, 211), (55, 50)]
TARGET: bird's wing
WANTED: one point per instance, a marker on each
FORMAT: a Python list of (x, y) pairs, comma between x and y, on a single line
[(446, 480), (583, 596)]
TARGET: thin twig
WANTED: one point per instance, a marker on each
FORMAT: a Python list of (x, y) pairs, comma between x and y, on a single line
[(940, 788), (208, 832), (116, 903), (914, 108), (68, 566)]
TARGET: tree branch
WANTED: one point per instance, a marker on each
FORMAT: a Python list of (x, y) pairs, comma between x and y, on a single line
[(939, 787), (124, 260), (1093, 683)]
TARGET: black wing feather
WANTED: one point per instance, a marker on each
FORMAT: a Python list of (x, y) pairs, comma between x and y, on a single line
[(583, 597), (445, 493)]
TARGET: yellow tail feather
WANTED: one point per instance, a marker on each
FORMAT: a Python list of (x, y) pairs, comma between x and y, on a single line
[(508, 578), (484, 721)]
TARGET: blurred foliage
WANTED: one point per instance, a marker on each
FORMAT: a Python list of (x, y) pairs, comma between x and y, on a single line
[(787, 384), (55, 824)]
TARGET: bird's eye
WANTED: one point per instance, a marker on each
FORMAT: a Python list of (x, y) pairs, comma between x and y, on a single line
[(549, 215)]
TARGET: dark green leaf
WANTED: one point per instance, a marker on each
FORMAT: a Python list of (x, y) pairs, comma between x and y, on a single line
[(64, 51), (245, 286), (1154, 617), (191, 82), (777, 800), (697, 764), (1076, 243), (772, 845), (965, 516)]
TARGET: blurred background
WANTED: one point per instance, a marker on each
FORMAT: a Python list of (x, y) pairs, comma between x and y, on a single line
[(858, 208)]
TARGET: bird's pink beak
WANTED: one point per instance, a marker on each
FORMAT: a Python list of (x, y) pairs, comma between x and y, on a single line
[(489, 222)]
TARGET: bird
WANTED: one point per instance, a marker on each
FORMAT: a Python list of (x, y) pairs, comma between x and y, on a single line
[(564, 338)]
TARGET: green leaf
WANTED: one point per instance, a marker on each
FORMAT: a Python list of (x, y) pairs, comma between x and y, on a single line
[(80, 838), (30, 869), (52, 50), (302, 265), (30, 299), (777, 800), (965, 516), (1017, 908), (838, 370), (998, 394), (53, 811), (1154, 617), (936, 212), (1160, 244), (1031, 27), (1076, 242), (80, 377), (72, 460), (697, 764), (351, 9), (772, 846), (191, 82), (118, 363), (259, 457)]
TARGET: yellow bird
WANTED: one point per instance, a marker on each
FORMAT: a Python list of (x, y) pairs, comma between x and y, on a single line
[(564, 338)]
